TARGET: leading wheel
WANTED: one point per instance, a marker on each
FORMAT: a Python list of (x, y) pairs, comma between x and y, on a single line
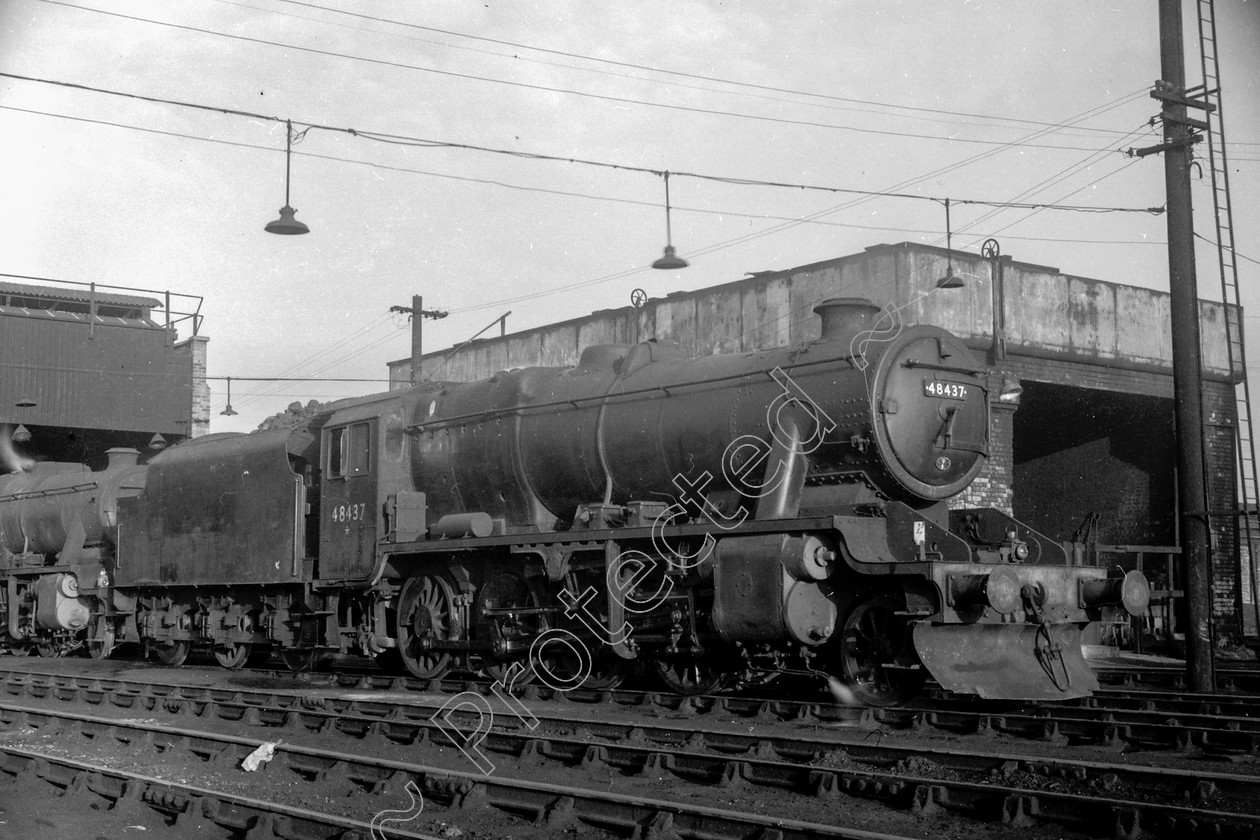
[(877, 658), (425, 612), (233, 656)]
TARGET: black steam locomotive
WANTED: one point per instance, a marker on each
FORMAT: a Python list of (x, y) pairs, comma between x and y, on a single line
[(722, 520)]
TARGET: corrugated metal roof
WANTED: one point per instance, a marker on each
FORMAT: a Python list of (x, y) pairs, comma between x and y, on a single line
[(77, 295), (81, 317)]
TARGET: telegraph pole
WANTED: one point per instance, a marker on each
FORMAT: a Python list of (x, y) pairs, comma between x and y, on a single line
[(1179, 137), (418, 313)]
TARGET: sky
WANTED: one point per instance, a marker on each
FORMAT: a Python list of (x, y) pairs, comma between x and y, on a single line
[(505, 157)]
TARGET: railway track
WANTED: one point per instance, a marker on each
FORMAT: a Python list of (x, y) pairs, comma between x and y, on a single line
[(1240, 679), (1123, 687), (557, 806), (988, 786), (1214, 724)]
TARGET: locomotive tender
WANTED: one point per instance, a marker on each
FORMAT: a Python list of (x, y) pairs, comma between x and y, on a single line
[(723, 519)]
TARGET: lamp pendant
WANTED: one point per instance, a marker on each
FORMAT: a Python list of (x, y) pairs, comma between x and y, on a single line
[(670, 260), (286, 224), (950, 280), (229, 411)]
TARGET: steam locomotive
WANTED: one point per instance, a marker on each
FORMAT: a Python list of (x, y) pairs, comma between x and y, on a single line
[(721, 520)]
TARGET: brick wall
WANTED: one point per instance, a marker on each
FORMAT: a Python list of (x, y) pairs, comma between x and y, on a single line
[(993, 487), (1248, 526), (200, 408), (1098, 377)]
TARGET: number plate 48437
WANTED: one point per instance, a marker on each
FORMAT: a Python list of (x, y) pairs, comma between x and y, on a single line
[(946, 390)]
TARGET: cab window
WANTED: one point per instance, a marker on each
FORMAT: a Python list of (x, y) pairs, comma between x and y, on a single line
[(349, 452)]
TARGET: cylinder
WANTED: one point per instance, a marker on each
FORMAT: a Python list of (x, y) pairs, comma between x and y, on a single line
[(58, 606), (806, 558)]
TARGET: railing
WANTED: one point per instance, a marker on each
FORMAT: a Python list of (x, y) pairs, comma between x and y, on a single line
[(175, 307)]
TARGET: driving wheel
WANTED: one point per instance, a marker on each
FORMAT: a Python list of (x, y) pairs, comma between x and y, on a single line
[(425, 612)]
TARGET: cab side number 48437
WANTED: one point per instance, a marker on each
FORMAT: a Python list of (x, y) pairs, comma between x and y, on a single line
[(349, 513)]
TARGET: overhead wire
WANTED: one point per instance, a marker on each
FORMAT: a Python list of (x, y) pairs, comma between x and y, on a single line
[(541, 88), (1116, 103), (1238, 254), (864, 195), (1120, 101), (425, 143), (1046, 184), (789, 223), (1092, 183), (761, 90), (998, 206), (504, 184), (262, 391), (913, 109)]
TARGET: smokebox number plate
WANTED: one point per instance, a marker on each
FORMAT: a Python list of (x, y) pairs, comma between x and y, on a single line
[(946, 390)]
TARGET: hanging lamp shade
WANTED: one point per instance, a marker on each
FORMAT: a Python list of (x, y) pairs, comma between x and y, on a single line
[(670, 260), (21, 434), (950, 280), (25, 402), (229, 411), (286, 224)]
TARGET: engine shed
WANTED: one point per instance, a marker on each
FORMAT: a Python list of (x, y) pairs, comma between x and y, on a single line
[(84, 369), (1087, 456)]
